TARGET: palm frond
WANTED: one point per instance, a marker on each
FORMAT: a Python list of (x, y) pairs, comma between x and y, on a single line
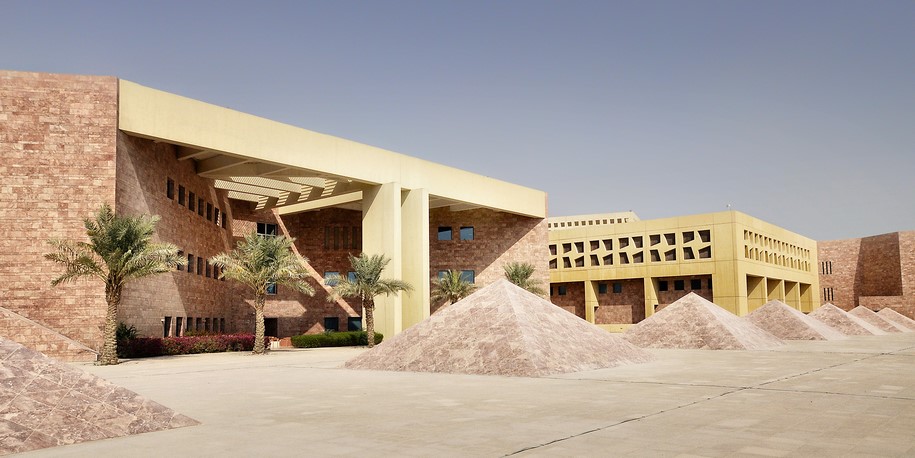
[(520, 274)]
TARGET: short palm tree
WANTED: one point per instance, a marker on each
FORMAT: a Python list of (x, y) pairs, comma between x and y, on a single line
[(451, 286), (120, 249), (520, 274), (259, 262), (366, 284)]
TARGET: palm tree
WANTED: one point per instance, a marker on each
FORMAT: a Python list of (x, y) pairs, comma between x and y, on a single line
[(120, 249), (366, 284), (520, 274), (451, 286), (259, 262)]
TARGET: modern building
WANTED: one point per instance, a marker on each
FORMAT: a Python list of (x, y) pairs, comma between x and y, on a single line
[(876, 272), (70, 143), (616, 273)]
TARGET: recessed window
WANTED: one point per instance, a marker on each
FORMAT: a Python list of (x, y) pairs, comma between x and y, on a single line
[(561, 290), (679, 285), (466, 232), (180, 255), (695, 284), (200, 206), (190, 263), (354, 323), (442, 274), (179, 326), (331, 278), (170, 188), (191, 201), (271, 289), (199, 266), (444, 233), (469, 276), (331, 323), (224, 218), (601, 288), (208, 269), (617, 287), (351, 276), (209, 211), (266, 229), (216, 216), (180, 195), (662, 285)]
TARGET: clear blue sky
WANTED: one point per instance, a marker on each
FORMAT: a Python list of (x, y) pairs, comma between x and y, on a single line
[(801, 113)]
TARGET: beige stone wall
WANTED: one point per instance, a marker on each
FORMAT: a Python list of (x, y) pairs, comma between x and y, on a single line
[(57, 160)]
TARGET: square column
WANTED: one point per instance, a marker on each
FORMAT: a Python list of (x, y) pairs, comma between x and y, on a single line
[(591, 302), (382, 234), (415, 258)]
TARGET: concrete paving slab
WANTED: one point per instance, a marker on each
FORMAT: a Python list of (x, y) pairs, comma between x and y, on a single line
[(834, 398)]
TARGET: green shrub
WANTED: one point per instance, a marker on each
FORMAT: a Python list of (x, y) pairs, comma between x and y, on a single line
[(334, 339)]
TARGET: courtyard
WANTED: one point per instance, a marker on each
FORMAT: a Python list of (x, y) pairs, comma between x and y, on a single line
[(852, 397)]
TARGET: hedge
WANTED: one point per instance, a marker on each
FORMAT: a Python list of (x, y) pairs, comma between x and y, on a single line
[(142, 347), (334, 339)]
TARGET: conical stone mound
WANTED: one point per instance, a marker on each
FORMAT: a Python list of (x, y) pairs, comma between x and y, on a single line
[(875, 320), (694, 322), (46, 403), (785, 322), (898, 318), (839, 319), (501, 330)]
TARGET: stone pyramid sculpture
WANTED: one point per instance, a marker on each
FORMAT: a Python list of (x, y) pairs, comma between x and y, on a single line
[(898, 318), (46, 403), (694, 322), (785, 322), (875, 320), (839, 319), (501, 330)]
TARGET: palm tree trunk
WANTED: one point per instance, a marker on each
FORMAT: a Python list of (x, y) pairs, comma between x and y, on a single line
[(259, 324), (110, 347), (369, 308)]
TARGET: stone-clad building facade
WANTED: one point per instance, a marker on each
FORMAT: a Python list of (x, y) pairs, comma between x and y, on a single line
[(70, 143), (876, 272)]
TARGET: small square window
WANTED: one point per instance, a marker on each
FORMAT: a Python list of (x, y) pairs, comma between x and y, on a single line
[(468, 275), (679, 285), (617, 287), (354, 323), (444, 233), (351, 276), (331, 323), (601, 288), (466, 232), (331, 278), (271, 289), (561, 290), (266, 229), (662, 285), (695, 284)]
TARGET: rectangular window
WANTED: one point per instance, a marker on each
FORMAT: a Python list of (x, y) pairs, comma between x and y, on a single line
[(180, 195), (444, 233), (166, 326), (200, 206), (466, 232), (357, 238), (199, 266), (662, 285), (331, 278), (222, 325), (561, 290), (271, 289), (199, 326), (442, 274), (469, 276), (216, 216), (190, 263), (266, 229), (208, 269), (188, 326), (224, 218), (170, 188), (179, 326), (679, 285), (354, 323), (617, 287), (695, 284), (180, 255), (351, 276), (601, 288), (331, 323), (209, 211), (191, 201)]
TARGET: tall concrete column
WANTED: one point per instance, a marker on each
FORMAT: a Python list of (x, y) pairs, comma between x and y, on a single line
[(652, 290), (590, 300), (415, 248), (382, 234)]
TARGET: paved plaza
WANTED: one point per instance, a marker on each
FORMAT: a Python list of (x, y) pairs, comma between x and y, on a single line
[(852, 397)]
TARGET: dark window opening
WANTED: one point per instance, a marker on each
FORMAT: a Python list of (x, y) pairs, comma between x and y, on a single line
[(466, 232), (200, 206), (271, 289), (562, 290), (191, 201), (209, 211), (266, 229), (679, 285), (705, 236), (469, 276), (552, 250), (180, 195), (354, 323), (331, 323), (199, 266), (170, 188), (444, 233), (601, 288), (662, 285), (688, 236), (695, 284), (190, 263), (617, 287)]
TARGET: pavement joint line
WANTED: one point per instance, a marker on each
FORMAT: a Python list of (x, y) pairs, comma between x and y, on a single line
[(835, 393)]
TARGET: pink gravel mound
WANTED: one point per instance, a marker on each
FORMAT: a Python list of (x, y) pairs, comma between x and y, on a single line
[(875, 320), (694, 322), (501, 330), (839, 319), (898, 318), (785, 322), (46, 403)]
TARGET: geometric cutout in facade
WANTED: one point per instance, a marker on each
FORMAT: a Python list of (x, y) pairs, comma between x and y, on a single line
[(695, 322), (785, 322), (501, 330)]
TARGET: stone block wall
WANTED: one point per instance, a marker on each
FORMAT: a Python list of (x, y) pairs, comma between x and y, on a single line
[(573, 301), (670, 296), (624, 307), (58, 138)]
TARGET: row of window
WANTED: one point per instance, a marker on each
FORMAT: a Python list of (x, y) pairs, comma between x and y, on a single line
[(680, 285), (633, 258), (353, 323), (775, 244), (447, 233), (756, 254), (194, 203), (183, 325), (828, 295), (589, 222), (469, 276), (199, 265), (343, 238), (826, 267)]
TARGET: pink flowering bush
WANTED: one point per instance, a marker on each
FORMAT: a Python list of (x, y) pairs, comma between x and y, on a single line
[(142, 347)]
